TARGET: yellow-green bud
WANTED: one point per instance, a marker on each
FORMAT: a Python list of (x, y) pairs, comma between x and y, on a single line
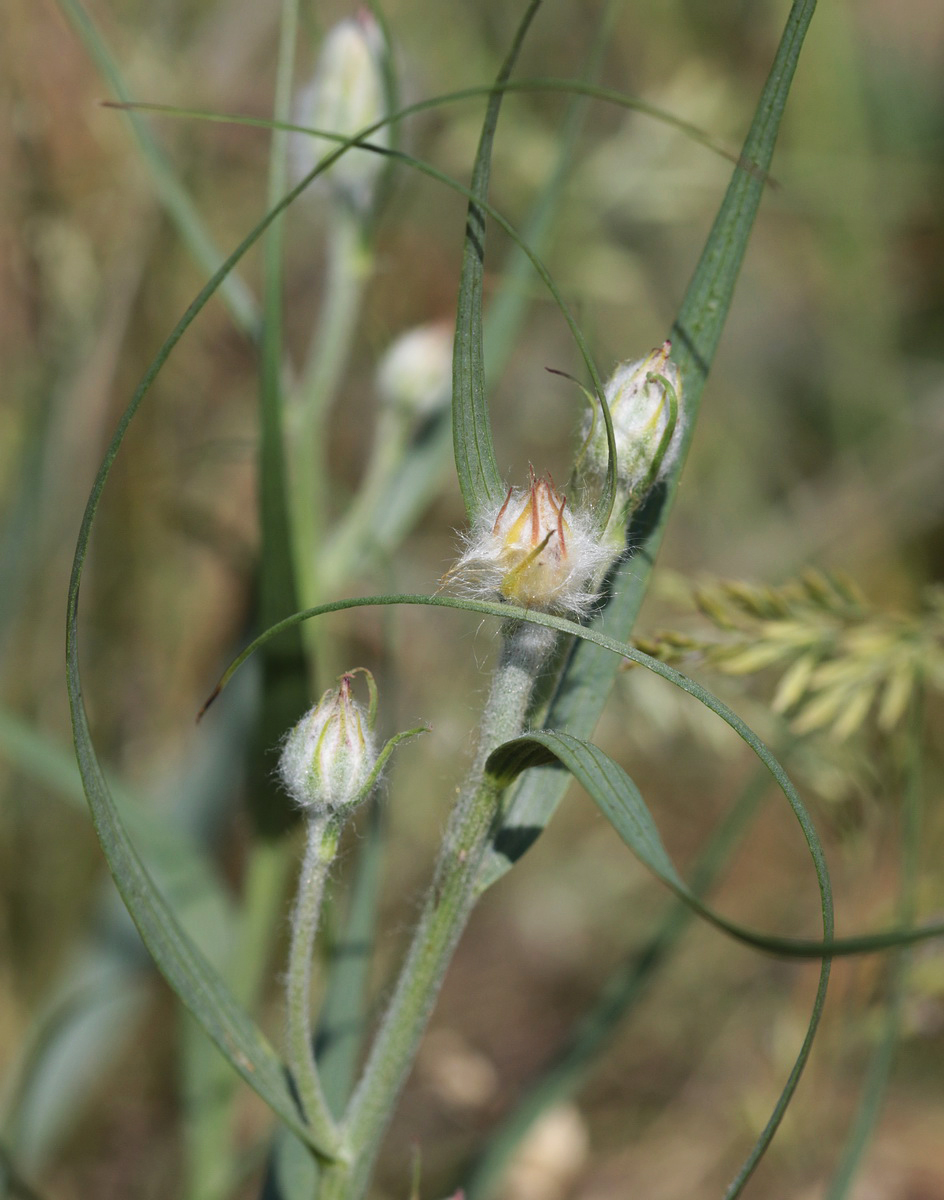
[(346, 94), (327, 758)]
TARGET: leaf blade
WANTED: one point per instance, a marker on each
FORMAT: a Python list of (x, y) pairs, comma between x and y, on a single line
[(479, 478), (621, 802), (588, 677)]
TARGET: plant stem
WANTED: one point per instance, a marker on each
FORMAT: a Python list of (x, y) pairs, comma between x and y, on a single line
[(353, 541), (349, 265), (322, 835), (525, 650)]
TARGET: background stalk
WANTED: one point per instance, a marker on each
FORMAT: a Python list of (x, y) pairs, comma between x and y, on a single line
[(348, 268)]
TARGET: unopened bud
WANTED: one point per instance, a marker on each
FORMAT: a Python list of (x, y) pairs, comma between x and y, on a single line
[(346, 94), (644, 398), (531, 553), (328, 757), (415, 374)]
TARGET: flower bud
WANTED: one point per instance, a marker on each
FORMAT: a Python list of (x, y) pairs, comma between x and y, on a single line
[(346, 94), (531, 553), (327, 758), (648, 436), (414, 377)]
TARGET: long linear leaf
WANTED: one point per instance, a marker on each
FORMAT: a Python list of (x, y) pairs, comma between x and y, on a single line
[(188, 973), (479, 477), (788, 947), (171, 192), (507, 306), (432, 172), (624, 988), (284, 672), (588, 677), (537, 83), (620, 801), (197, 984)]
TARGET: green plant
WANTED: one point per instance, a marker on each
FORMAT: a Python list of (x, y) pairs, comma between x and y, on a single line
[(555, 577)]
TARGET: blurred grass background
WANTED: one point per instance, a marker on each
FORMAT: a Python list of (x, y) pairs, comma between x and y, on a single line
[(820, 442)]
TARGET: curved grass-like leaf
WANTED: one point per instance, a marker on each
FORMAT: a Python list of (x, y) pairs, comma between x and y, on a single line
[(624, 988), (588, 676), (432, 172), (479, 478), (621, 802), (536, 83), (787, 947), (197, 984)]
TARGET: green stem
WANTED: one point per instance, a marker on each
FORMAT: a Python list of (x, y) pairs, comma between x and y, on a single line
[(344, 1016), (525, 650), (353, 541), (322, 835), (349, 264)]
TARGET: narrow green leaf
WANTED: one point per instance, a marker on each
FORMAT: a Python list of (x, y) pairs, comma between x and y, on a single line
[(622, 990), (788, 947), (588, 677), (479, 477), (621, 803), (284, 672), (197, 984), (171, 192), (507, 307)]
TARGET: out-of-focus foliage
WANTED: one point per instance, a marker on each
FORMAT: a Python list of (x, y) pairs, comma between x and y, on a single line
[(820, 442)]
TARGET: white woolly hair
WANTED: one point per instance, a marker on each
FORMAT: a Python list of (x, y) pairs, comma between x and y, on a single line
[(480, 572)]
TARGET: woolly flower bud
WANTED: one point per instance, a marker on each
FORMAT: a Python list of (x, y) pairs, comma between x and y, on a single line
[(640, 405), (328, 756), (530, 553), (415, 374), (346, 95)]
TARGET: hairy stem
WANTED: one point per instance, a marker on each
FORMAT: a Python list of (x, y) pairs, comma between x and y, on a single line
[(525, 650), (321, 846)]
